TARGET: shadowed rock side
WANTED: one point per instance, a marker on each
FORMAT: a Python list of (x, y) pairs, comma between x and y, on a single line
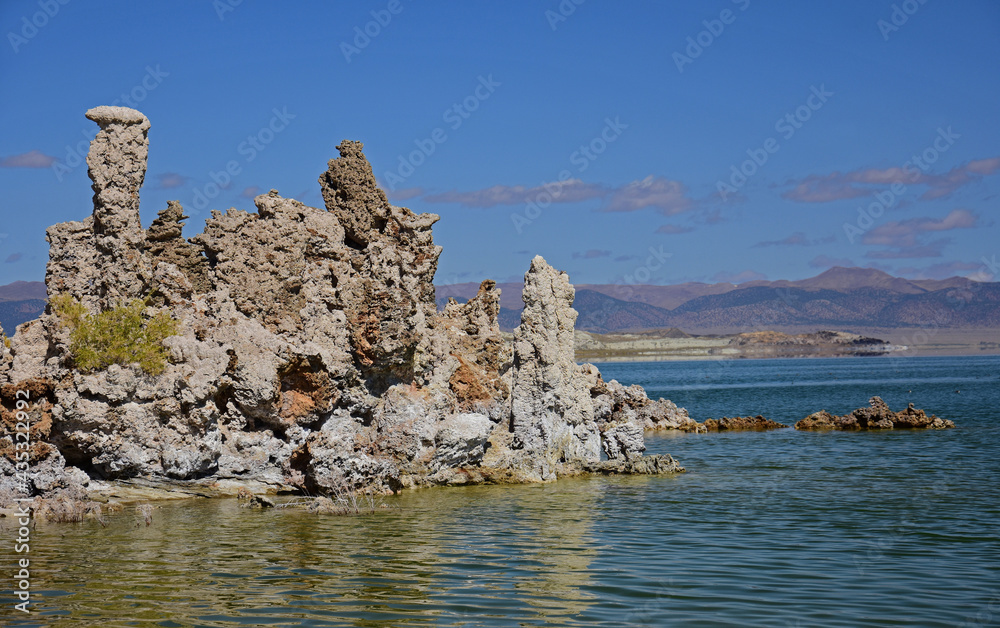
[(309, 355), (166, 244), (877, 416)]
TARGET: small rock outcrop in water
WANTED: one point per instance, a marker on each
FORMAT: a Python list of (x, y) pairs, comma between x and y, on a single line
[(310, 354), (877, 416), (742, 424)]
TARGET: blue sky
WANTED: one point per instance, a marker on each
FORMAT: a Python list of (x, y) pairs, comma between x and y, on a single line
[(651, 142)]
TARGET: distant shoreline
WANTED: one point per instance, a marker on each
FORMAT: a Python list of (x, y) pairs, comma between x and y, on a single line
[(653, 346)]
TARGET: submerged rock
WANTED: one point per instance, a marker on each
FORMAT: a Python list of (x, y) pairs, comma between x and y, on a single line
[(877, 416), (253, 501), (309, 355)]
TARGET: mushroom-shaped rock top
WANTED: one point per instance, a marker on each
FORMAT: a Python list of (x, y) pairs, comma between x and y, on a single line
[(106, 115)]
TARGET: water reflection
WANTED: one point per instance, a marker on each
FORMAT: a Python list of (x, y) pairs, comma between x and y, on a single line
[(434, 556), (781, 528)]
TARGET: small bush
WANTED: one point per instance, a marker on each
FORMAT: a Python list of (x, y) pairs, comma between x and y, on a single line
[(122, 335)]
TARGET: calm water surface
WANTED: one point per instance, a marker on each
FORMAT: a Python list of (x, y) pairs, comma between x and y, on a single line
[(775, 529)]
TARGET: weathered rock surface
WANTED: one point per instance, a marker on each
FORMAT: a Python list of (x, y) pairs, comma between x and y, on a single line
[(387, 294), (639, 465), (310, 354), (166, 244), (877, 416), (552, 413), (631, 404), (5, 355), (475, 353), (742, 424), (116, 164)]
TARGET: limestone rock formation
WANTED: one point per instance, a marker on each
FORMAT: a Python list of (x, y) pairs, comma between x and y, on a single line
[(388, 294), (309, 355), (877, 416), (477, 357), (117, 165), (551, 408), (631, 404)]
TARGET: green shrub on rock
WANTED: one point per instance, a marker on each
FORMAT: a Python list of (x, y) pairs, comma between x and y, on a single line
[(122, 335)]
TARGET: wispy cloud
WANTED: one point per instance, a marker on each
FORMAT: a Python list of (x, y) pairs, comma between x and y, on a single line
[(250, 192), (825, 261), (626, 258), (713, 217), (569, 191), (796, 239), (13, 257), (673, 229), (931, 249), (843, 185), (667, 196), (591, 254), (907, 233), (404, 194), (942, 271), (740, 277), (31, 159), (170, 180)]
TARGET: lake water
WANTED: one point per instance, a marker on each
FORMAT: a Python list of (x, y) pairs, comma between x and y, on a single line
[(766, 529)]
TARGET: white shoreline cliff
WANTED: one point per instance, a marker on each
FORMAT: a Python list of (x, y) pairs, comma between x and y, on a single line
[(310, 354)]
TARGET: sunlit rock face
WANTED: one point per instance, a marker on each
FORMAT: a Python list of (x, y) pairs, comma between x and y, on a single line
[(552, 414), (310, 352)]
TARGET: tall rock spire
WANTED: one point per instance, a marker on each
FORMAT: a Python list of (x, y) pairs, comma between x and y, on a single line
[(551, 407), (117, 166)]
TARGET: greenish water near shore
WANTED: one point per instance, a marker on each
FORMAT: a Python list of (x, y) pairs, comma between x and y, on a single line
[(775, 529)]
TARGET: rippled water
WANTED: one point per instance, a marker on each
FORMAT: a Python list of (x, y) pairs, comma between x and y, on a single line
[(775, 529)]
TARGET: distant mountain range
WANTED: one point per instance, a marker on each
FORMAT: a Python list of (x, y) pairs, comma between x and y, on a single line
[(20, 302), (840, 298)]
